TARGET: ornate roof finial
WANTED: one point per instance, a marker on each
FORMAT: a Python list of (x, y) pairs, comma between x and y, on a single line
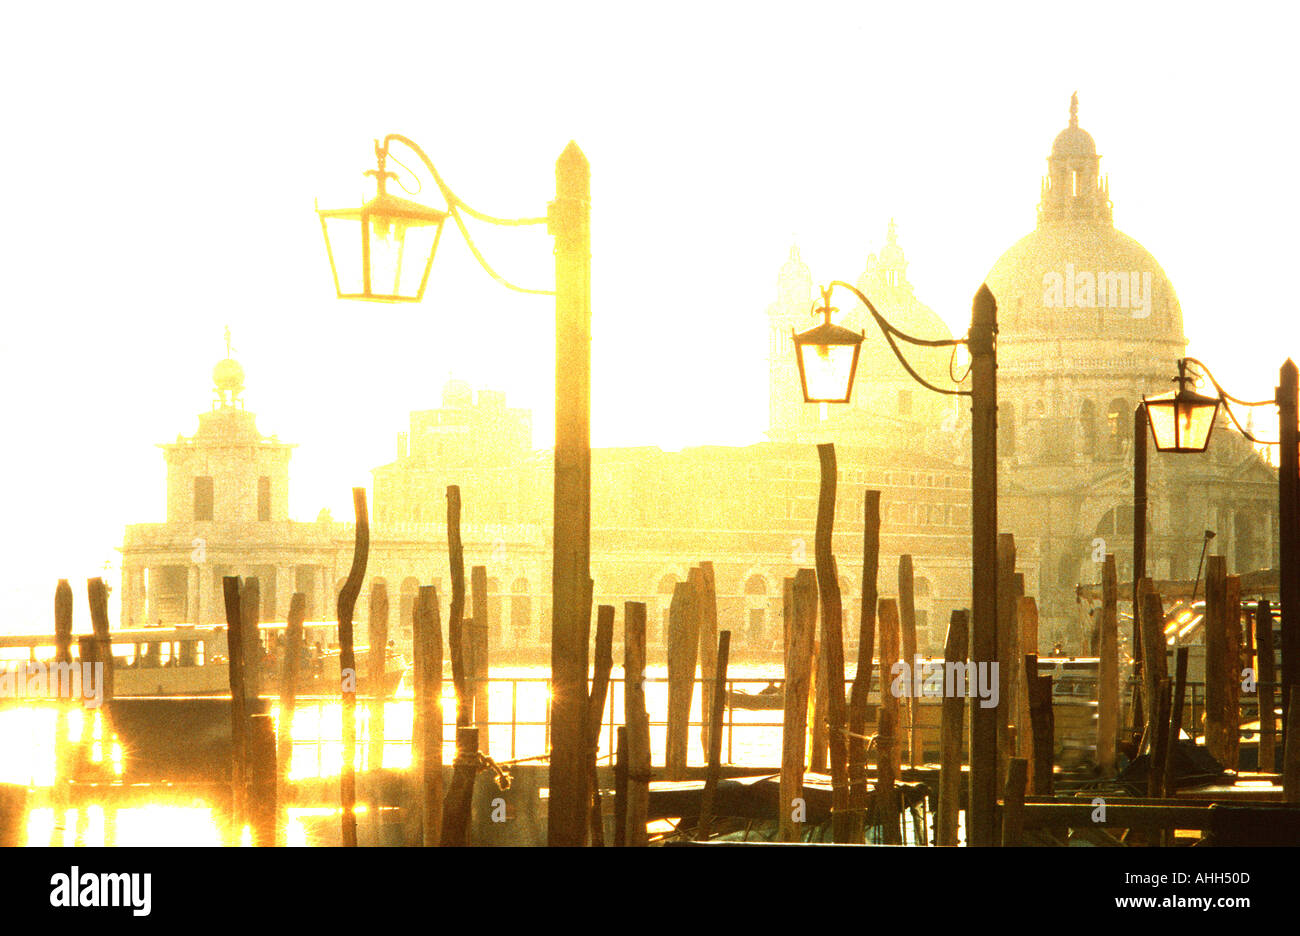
[(228, 348), (1074, 109), (892, 236)]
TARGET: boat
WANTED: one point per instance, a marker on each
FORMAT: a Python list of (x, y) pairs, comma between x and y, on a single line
[(192, 660), (770, 697)]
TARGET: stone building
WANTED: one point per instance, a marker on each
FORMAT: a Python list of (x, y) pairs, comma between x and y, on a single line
[(1088, 324)]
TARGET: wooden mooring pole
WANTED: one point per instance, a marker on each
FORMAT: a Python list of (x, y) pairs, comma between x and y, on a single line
[(480, 667), (887, 741), (952, 727), (1013, 802), (427, 634), (907, 623), (832, 647), (637, 721), (238, 726), (459, 804), (860, 691), (1267, 687), (1108, 671), (683, 645), (800, 612), (603, 663), (714, 716), (706, 605), (376, 658), (347, 604), (1216, 657)]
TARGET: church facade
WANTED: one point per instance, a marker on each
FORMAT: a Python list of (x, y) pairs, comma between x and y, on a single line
[(1089, 323)]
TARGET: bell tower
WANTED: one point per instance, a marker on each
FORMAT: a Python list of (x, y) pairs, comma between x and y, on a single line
[(1074, 190)]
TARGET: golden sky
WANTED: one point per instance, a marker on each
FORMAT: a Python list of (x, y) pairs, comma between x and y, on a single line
[(162, 162)]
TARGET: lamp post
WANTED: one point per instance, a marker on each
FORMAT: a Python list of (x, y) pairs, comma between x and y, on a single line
[(385, 251), (1182, 421), (827, 356)]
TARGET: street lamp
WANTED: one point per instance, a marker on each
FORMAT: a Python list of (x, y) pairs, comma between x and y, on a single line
[(1194, 416), (827, 356), (383, 251), (1181, 421)]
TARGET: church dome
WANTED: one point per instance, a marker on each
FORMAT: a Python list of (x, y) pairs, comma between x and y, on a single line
[(1083, 280), (228, 376), (1074, 141)]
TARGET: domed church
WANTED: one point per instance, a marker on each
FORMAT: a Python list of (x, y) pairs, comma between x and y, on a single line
[(1088, 324)]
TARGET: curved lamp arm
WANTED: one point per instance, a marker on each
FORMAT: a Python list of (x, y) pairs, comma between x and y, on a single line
[(455, 205), (1227, 397), (890, 333)]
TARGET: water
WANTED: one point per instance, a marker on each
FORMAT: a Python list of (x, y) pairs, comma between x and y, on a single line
[(518, 694)]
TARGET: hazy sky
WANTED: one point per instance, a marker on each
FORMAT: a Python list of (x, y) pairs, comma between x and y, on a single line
[(162, 162)]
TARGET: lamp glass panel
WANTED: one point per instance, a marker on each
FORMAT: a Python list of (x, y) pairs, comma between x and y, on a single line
[(343, 241), (827, 371), (1160, 414), (1195, 420)]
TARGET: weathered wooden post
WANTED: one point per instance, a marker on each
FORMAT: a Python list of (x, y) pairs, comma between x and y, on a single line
[(459, 804), (1291, 752), (293, 646), (620, 787), (888, 758), (907, 621), (637, 720), (1232, 675), (683, 644), (347, 604), (376, 658), (1008, 649), (250, 619), (1027, 630), (1267, 687), (1041, 720), (1139, 504), (1169, 786), (262, 779), (952, 726), (984, 592), (832, 645), (480, 667), (800, 626), (63, 657), (1288, 493), (458, 643), (1160, 750), (714, 717), (1013, 803), (818, 745), (706, 609), (238, 701), (1216, 656), (569, 221), (98, 596), (428, 727), (1155, 661), (603, 664), (1108, 671), (860, 691)]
